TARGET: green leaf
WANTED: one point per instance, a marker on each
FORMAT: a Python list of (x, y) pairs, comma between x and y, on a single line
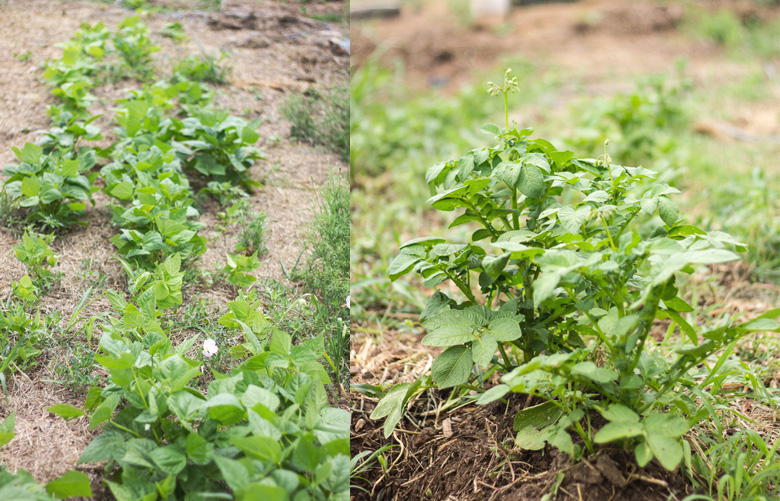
[(594, 373), (643, 454), (617, 430), (538, 416), (621, 413), (490, 129), (169, 459), (70, 55), (104, 411), (70, 485), (452, 367), (494, 265), (533, 425), (505, 329), (483, 349), (545, 285), (30, 153), (7, 429), (197, 448), (401, 265), (102, 447), (65, 411), (235, 474), (31, 186), (452, 327), (493, 394), (572, 219), (668, 210), (259, 447), (264, 492), (530, 182), (599, 197), (225, 408), (391, 406), (666, 424), (123, 190), (667, 450)]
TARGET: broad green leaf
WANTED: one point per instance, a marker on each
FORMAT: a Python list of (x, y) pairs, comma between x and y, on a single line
[(391, 407), (198, 449), (264, 492), (225, 408), (70, 485), (123, 190), (617, 430), (401, 265), (7, 429), (594, 373), (452, 367), (169, 459), (102, 447), (530, 182), (668, 210), (259, 447), (483, 349), (618, 412), (31, 186), (493, 394), (572, 219), (235, 474), (494, 265), (667, 450), (104, 411), (666, 424), (505, 329), (599, 196), (643, 454), (65, 411), (490, 129)]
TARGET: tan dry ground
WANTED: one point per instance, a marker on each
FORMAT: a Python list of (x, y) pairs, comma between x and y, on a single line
[(275, 52)]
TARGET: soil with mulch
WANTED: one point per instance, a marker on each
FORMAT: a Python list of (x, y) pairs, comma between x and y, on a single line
[(468, 453), (276, 51)]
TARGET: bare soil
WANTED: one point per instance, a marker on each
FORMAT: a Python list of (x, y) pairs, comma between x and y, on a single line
[(276, 51)]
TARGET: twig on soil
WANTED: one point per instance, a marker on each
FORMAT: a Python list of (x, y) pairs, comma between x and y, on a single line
[(648, 479)]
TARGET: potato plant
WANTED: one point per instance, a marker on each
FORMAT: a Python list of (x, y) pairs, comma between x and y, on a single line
[(569, 264)]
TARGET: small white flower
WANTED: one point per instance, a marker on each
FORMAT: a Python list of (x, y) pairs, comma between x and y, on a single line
[(347, 301), (209, 348), (146, 427), (302, 300)]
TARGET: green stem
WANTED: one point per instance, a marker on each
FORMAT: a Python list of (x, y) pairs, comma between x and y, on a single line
[(506, 109), (461, 286), (505, 356)]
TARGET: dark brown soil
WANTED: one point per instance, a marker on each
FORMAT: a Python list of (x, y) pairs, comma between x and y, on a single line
[(469, 455)]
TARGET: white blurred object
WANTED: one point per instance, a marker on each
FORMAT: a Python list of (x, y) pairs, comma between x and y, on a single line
[(489, 9)]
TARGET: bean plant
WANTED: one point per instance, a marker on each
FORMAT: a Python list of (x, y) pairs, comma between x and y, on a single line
[(51, 189), (263, 431), (568, 265)]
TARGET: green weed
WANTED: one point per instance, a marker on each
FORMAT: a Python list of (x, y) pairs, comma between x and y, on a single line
[(320, 118)]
